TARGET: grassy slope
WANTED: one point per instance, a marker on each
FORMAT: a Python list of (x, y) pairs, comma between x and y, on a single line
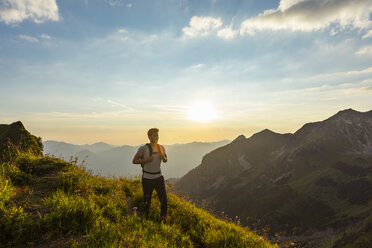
[(47, 202)]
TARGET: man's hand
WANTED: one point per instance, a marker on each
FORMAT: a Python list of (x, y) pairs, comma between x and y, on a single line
[(163, 157), (138, 159), (148, 160)]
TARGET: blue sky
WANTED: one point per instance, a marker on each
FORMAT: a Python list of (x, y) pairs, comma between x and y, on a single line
[(87, 71)]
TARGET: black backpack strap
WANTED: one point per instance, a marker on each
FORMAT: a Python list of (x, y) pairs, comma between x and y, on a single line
[(149, 146)]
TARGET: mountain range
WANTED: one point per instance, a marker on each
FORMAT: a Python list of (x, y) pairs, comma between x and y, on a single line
[(108, 160), (314, 184)]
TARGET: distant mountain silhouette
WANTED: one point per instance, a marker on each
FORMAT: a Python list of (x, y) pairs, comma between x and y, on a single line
[(109, 160), (318, 178)]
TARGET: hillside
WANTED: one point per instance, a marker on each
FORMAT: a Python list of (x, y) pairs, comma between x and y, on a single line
[(47, 202), (107, 160), (314, 185), (14, 138)]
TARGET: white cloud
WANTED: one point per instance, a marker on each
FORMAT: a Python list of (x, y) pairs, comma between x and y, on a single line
[(129, 5), (196, 67), (28, 38), (286, 4), (310, 15), (38, 11), (368, 34), (364, 71), (367, 50), (227, 33), (114, 3), (201, 26), (45, 36)]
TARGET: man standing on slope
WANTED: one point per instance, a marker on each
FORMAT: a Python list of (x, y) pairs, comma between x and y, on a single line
[(150, 156)]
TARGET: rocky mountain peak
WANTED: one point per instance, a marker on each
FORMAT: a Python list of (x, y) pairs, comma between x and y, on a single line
[(239, 138), (14, 138), (351, 118), (348, 116), (349, 111), (17, 125), (266, 133)]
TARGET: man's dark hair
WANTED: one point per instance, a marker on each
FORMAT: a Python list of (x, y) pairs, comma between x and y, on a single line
[(151, 131)]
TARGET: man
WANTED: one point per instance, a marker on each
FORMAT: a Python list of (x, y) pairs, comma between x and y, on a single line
[(150, 157)]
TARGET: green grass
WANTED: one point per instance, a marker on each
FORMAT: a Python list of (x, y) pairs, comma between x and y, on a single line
[(14, 222), (45, 200)]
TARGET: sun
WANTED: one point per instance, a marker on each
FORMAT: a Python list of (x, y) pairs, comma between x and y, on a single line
[(202, 111)]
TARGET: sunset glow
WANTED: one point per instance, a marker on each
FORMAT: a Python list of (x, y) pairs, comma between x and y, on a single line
[(89, 71), (202, 112)]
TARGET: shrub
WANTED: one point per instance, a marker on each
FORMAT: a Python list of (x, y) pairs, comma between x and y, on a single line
[(35, 165), (6, 192), (113, 207), (17, 177), (72, 213), (14, 223), (76, 180)]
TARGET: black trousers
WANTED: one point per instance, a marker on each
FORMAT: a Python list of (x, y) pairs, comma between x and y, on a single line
[(148, 186)]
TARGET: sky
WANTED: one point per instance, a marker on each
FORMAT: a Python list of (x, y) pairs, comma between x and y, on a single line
[(84, 71)]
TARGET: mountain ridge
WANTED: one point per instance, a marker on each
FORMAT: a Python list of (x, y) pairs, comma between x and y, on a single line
[(317, 178)]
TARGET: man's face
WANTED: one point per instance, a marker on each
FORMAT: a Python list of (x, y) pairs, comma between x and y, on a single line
[(154, 137)]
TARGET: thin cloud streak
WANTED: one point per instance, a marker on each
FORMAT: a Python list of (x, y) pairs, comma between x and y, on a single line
[(336, 77), (28, 38), (120, 105)]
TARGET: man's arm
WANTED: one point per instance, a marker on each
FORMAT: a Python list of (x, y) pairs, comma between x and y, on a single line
[(163, 155), (138, 159)]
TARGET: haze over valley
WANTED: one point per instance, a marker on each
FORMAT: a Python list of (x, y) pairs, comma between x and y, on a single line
[(109, 160)]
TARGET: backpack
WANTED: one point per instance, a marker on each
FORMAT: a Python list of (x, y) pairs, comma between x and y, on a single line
[(149, 146)]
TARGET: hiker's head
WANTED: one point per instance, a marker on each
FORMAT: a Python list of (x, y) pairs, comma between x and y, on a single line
[(153, 135)]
